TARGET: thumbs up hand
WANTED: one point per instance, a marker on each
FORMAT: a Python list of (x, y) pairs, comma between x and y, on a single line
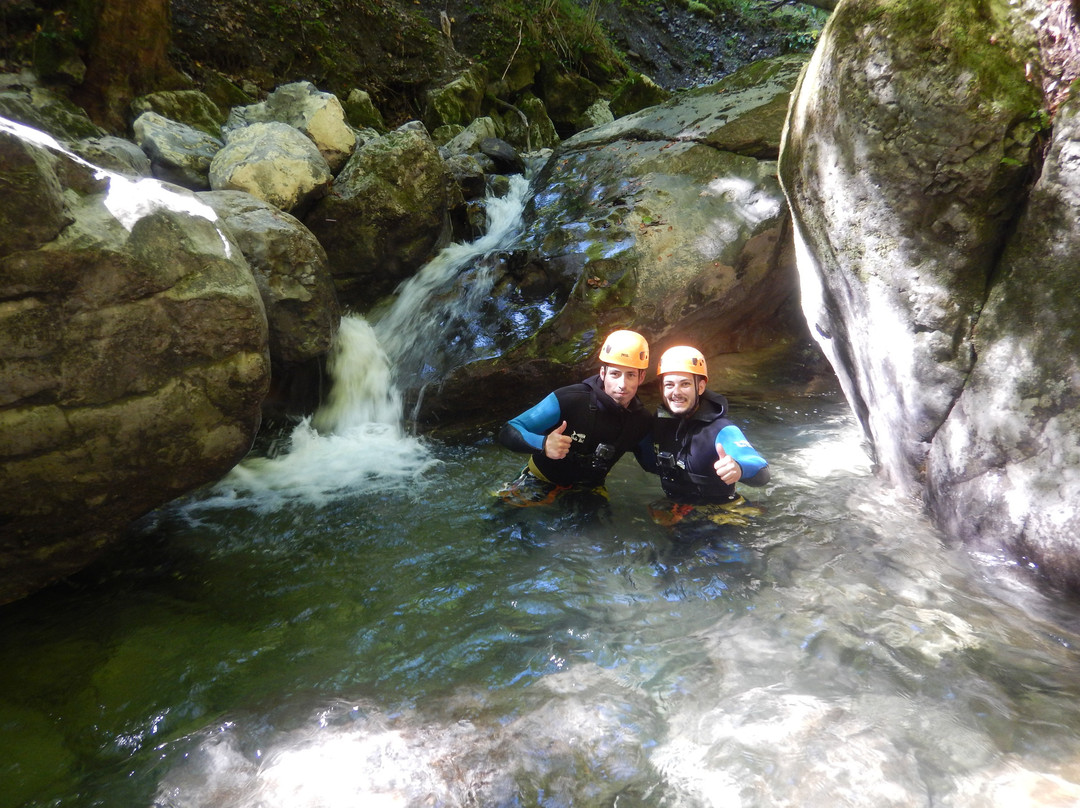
[(556, 444), (726, 468)]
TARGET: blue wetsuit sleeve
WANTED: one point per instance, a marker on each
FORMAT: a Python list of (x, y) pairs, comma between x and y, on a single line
[(526, 432), (755, 469)]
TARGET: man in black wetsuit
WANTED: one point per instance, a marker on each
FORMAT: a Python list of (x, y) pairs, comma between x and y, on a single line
[(576, 434), (700, 453)]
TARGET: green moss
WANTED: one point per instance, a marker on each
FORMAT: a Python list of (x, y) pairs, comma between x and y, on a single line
[(965, 33)]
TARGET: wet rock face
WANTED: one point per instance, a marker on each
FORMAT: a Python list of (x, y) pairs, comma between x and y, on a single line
[(654, 222), (289, 266), (1006, 463), (934, 275), (134, 348)]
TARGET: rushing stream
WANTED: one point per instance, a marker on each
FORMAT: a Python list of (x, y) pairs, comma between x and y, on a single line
[(356, 621)]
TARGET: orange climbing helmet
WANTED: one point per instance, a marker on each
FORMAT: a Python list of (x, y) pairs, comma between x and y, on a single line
[(627, 348), (683, 359)]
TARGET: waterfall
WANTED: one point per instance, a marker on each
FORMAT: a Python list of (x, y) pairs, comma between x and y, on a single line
[(421, 331), (357, 442)]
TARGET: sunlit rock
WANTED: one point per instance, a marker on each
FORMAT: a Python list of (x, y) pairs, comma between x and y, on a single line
[(1005, 465), (468, 140), (318, 115), (939, 283), (114, 154), (274, 162), (178, 153)]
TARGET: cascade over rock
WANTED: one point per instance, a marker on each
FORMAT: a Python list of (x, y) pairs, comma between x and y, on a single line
[(133, 345), (660, 221), (908, 153)]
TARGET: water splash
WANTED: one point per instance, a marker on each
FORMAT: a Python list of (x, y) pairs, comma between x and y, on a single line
[(357, 443), (354, 444)]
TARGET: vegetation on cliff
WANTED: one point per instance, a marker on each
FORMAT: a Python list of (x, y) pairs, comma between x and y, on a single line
[(103, 54)]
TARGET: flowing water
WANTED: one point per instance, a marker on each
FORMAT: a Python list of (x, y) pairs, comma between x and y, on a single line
[(356, 621)]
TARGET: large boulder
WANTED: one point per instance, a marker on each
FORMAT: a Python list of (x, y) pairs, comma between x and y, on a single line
[(134, 355), (1006, 462), (385, 215), (273, 162), (290, 269), (908, 157), (32, 210)]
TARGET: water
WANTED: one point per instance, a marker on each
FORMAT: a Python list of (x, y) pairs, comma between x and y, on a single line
[(394, 646), (357, 621)]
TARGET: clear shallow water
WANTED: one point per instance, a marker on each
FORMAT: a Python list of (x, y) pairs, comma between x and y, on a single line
[(408, 641)]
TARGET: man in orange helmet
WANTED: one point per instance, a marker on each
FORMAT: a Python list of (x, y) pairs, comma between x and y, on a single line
[(700, 453), (575, 435)]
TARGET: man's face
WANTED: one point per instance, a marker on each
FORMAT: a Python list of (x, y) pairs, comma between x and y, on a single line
[(621, 383), (681, 391)]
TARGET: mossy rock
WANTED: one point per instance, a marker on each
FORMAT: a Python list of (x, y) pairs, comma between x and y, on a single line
[(192, 107)]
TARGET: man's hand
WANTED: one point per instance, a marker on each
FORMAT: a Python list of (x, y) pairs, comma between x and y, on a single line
[(556, 444), (726, 468)]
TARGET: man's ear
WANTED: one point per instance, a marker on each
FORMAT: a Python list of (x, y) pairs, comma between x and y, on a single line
[(701, 386)]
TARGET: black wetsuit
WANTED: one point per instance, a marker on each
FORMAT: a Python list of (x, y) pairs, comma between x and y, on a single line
[(602, 431), (686, 452)]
